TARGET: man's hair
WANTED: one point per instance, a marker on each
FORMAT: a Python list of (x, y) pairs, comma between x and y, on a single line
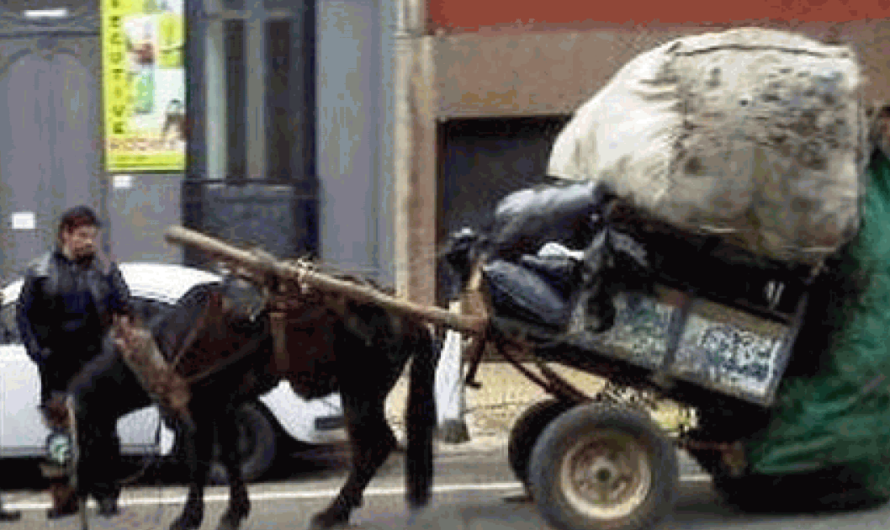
[(76, 217)]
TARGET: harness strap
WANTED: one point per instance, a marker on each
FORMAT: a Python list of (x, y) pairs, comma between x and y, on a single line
[(278, 321), (190, 339), (239, 355)]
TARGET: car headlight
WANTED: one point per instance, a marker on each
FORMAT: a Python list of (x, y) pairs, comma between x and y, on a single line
[(59, 448)]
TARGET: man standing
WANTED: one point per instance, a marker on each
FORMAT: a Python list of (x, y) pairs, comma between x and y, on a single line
[(68, 301)]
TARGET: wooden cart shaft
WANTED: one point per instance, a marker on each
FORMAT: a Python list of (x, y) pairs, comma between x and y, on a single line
[(265, 264)]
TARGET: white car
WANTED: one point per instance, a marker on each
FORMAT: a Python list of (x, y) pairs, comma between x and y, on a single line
[(279, 420)]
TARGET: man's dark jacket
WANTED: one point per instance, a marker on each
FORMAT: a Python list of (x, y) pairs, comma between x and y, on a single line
[(65, 309)]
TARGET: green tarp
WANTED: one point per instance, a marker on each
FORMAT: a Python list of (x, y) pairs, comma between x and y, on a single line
[(839, 417)]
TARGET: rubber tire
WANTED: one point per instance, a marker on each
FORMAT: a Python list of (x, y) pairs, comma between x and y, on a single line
[(525, 433), (557, 439), (256, 436)]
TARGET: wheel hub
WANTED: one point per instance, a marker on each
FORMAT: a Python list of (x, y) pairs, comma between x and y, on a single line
[(606, 475), (603, 474)]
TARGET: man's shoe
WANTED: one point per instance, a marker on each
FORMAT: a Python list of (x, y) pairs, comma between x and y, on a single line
[(7, 516), (64, 500)]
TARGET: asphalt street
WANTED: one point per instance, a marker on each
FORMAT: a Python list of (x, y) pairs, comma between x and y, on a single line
[(474, 491)]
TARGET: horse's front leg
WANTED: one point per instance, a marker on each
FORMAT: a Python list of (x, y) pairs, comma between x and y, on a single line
[(198, 447), (372, 442), (239, 502)]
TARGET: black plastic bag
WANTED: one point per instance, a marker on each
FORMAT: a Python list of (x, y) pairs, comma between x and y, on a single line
[(526, 219)]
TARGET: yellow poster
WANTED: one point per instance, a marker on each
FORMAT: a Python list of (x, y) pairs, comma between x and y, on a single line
[(143, 84)]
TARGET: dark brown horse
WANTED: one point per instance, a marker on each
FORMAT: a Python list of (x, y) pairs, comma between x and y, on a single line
[(220, 337)]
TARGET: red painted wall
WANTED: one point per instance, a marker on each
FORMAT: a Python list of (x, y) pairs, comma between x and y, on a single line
[(473, 15)]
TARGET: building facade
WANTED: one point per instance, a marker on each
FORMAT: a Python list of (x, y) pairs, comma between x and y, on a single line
[(289, 119), (360, 131)]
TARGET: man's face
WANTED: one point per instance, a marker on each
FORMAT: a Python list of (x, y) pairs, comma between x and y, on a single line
[(80, 243)]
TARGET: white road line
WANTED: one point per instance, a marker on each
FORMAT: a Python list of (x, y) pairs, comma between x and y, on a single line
[(163, 499)]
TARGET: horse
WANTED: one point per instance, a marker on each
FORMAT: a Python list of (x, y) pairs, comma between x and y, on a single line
[(220, 337)]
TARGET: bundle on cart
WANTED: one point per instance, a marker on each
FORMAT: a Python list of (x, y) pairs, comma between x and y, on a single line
[(758, 136)]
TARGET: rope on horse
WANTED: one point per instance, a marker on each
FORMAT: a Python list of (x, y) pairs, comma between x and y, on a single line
[(142, 355), (75, 458)]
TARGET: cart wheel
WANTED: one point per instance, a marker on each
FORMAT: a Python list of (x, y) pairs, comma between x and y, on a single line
[(527, 430), (600, 467)]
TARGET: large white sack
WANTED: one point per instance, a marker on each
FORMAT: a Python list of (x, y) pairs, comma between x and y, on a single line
[(759, 135)]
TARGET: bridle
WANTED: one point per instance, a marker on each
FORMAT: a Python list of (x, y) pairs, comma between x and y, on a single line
[(276, 306)]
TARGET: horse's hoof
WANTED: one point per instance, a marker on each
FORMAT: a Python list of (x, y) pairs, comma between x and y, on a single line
[(184, 523), (415, 514), (230, 522), (326, 521)]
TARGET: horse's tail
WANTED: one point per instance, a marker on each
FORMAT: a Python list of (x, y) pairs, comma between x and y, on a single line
[(421, 419)]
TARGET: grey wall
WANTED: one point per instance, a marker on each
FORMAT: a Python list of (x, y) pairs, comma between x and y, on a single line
[(139, 215), (386, 143)]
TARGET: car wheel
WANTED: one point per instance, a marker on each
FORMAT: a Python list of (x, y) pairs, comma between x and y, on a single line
[(257, 446)]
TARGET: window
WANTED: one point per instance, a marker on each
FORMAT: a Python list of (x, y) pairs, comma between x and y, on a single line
[(252, 90), (235, 97), (280, 143)]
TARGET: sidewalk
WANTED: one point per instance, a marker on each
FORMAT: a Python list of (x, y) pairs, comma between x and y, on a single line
[(492, 409)]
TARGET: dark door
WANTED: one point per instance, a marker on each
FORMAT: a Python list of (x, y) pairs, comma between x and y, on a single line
[(485, 160)]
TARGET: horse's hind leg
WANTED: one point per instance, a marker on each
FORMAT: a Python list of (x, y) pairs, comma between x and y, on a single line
[(198, 450), (372, 442), (239, 502)]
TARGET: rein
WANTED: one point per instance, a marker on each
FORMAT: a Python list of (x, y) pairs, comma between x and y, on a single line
[(239, 355), (190, 339)]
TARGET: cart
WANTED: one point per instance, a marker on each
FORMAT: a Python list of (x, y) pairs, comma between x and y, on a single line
[(588, 461)]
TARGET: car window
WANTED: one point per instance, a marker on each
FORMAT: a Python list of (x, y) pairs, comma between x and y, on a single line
[(144, 308)]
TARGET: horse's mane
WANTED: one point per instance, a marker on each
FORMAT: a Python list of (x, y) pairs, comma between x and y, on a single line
[(170, 327)]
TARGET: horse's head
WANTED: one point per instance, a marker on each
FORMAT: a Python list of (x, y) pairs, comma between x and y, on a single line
[(462, 251)]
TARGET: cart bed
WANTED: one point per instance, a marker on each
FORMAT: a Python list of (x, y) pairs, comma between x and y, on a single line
[(693, 339)]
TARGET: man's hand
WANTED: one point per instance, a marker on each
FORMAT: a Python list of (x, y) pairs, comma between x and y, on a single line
[(123, 319), (124, 327)]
